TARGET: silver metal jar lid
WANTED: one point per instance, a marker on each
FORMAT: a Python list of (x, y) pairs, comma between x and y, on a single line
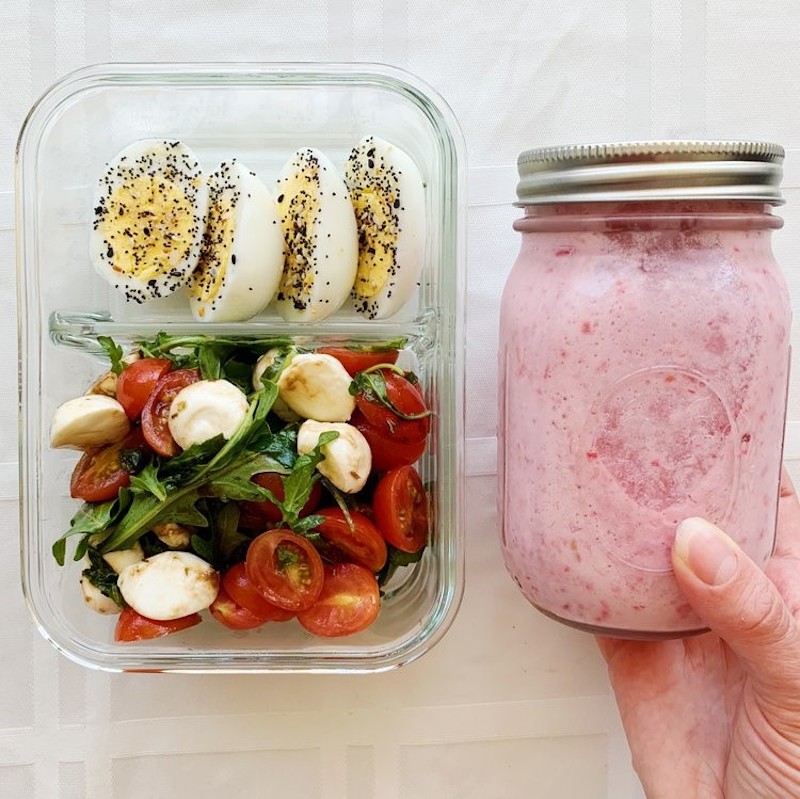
[(657, 170)]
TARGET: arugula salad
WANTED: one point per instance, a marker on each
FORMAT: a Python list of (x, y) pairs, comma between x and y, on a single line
[(249, 477)]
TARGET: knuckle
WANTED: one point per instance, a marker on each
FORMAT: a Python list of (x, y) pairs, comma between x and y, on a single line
[(763, 615)]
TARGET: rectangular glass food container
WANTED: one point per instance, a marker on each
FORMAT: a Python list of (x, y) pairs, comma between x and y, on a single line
[(259, 113)]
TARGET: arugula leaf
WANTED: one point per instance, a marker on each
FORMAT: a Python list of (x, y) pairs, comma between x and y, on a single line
[(235, 483), (210, 362), (221, 542), (103, 577), (298, 483), (203, 548), (92, 518), (395, 560), (114, 351), (372, 384), (228, 538), (306, 526), (280, 446), (152, 545), (147, 481)]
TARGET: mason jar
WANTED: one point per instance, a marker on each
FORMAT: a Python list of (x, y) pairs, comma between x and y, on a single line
[(643, 371)]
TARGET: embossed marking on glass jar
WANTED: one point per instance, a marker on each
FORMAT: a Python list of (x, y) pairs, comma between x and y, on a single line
[(656, 436)]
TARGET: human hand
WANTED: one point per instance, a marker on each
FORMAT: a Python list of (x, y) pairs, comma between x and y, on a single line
[(718, 715)]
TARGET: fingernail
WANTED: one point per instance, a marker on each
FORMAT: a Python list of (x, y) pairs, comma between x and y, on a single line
[(710, 555)]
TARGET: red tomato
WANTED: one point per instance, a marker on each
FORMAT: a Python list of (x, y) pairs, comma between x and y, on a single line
[(285, 569), (269, 511), (241, 591), (404, 396), (349, 602), (131, 626), (232, 615), (387, 453), (136, 382), (401, 509), (356, 361), (99, 474), (362, 543), (155, 414)]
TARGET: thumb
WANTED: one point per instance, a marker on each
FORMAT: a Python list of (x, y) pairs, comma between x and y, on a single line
[(739, 603)]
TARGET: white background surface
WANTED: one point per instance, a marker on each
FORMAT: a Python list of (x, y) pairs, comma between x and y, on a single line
[(509, 704)]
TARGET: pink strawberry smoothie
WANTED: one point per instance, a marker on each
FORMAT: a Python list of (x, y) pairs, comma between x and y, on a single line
[(643, 366)]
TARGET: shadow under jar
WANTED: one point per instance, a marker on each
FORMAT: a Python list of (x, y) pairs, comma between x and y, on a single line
[(644, 359)]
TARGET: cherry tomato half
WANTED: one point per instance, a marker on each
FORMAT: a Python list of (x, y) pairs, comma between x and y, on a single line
[(401, 509), (99, 474), (268, 511), (285, 569), (387, 453), (155, 414), (407, 398), (349, 602), (232, 615), (355, 361), (132, 626), (362, 543), (241, 591), (137, 381)]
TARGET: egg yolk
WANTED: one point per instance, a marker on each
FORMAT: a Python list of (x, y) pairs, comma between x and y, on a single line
[(299, 213), (217, 244), (150, 221), (377, 240)]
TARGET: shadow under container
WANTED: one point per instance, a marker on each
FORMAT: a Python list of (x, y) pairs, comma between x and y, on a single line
[(644, 360), (260, 114)]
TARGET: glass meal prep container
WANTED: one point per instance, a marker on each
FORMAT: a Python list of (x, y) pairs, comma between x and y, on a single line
[(259, 114)]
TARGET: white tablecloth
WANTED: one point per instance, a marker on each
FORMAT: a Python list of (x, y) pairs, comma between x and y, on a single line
[(508, 704)]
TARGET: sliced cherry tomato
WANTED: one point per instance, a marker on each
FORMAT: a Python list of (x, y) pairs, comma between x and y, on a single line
[(362, 543), (132, 626), (356, 361), (155, 414), (349, 602), (403, 395), (232, 615), (100, 473), (387, 453), (269, 511), (285, 569), (137, 381), (401, 509), (241, 591)]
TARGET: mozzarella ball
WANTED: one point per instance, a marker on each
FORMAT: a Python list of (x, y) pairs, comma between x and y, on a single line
[(120, 558), (317, 386), (279, 407), (96, 599), (348, 458), (88, 421), (169, 585), (206, 409)]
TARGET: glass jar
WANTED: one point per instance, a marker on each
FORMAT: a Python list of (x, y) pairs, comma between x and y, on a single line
[(644, 358)]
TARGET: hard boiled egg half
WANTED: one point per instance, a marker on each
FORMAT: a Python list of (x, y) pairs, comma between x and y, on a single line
[(241, 260), (319, 228), (148, 219), (389, 200)]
